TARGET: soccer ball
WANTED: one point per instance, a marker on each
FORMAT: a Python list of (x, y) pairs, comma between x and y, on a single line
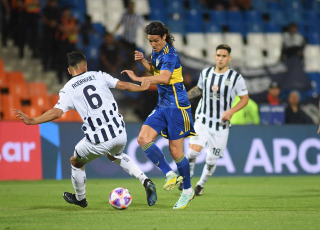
[(120, 198)]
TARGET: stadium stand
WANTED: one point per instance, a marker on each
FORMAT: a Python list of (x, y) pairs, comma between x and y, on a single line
[(256, 34)]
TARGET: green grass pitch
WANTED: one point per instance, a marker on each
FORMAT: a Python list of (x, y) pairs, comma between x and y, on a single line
[(227, 203)]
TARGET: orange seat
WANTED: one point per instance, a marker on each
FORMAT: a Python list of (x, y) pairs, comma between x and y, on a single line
[(16, 84), (53, 99), (9, 103), (40, 101), (37, 88)]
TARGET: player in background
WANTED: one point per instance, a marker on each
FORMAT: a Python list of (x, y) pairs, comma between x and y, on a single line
[(172, 116), (218, 86), (88, 92)]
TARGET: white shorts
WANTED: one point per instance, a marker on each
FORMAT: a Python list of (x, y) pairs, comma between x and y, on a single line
[(85, 151), (214, 141)]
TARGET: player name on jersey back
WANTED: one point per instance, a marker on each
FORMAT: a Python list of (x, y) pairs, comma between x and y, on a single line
[(84, 80)]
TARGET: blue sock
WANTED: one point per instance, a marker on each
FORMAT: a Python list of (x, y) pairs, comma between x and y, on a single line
[(184, 171), (156, 156)]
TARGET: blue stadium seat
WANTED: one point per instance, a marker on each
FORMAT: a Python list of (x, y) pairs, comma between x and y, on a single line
[(157, 5), (175, 6), (194, 4), (234, 17), (176, 26), (278, 16), (194, 21), (272, 27), (312, 16), (274, 6), (295, 16), (210, 27), (315, 81), (293, 5), (92, 54), (313, 37), (95, 40), (260, 5), (99, 28), (253, 16), (302, 29), (79, 15), (218, 17), (158, 15), (255, 27), (238, 28), (308, 4), (235, 22)]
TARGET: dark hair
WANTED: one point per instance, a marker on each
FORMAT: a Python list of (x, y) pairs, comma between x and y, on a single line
[(224, 47), (158, 28), (75, 58)]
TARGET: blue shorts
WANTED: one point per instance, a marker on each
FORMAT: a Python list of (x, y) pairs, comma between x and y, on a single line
[(171, 123)]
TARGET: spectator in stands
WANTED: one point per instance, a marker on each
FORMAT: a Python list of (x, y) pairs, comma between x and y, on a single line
[(50, 16), (19, 25), (32, 20), (131, 22), (244, 4), (66, 37), (249, 115), (293, 43), (273, 95), (86, 29), (5, 21), (294, 114), (110, 59)]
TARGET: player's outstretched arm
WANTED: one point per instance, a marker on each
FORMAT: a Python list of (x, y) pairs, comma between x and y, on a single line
[(50, 115), (194, 92), (127, 86), (162, 78)]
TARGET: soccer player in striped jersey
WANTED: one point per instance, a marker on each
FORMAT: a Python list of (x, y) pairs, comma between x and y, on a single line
[(218, 86), (172, 116), (88, 92)]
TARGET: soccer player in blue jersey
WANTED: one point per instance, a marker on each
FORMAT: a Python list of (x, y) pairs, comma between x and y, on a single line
[(172, 116)]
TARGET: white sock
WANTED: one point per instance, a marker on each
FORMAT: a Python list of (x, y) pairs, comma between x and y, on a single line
[(192, 157), (170, 173), (188, 191), (207, 172), (130, 167), (78, 178)]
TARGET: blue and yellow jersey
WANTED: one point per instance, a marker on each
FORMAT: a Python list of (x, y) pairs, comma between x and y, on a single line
[(174, 93)]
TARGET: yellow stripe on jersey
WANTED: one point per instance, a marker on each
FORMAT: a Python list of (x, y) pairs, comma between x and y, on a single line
[(176, 76), (176, 98)]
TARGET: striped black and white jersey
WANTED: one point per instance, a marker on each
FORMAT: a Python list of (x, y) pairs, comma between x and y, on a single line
[(131, 23), (219, 91), (89, 94)]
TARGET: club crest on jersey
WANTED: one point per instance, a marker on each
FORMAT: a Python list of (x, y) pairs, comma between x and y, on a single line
[(215, 88), (157, 62), (227, 82)]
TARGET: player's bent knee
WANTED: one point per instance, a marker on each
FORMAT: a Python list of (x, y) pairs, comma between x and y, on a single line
[(76, 163), (211, 159), (143, 139), (195, 147)]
